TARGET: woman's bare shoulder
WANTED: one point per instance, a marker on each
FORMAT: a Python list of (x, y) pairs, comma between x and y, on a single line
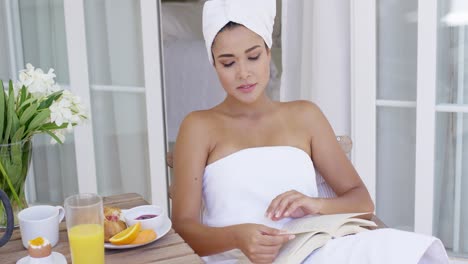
[(300, 105), (198, 118), (302, 110), (197, 125)]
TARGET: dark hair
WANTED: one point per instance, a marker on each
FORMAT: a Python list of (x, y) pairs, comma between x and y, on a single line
[(229, 26)]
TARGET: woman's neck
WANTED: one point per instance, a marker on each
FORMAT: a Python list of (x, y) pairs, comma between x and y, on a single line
[(233, 107)]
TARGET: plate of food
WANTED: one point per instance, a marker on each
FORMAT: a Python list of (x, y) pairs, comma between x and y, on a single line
[(135, 227)]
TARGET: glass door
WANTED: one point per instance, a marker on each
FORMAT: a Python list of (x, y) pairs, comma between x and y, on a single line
[(108, 53), (417, 103), (451, 134)]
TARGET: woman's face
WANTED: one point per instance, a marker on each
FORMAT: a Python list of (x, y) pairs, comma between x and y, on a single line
[(242, 63)]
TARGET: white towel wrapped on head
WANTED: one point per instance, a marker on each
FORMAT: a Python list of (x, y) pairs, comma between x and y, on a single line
[(256, 15)]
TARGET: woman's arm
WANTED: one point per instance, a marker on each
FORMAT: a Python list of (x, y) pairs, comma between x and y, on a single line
[(336, 169), (193, 145), (190, 154), (334, 166)]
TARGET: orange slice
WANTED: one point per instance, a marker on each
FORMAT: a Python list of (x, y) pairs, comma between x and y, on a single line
[(145, 236), (127, 235)]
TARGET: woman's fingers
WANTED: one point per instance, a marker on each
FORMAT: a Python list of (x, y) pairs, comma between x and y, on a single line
[(272, 236), (280, 206), (285, 204), (268, 250), (273, 208), (263, 258), (277, 240), (266, 230), (261, 243), (296, 204)]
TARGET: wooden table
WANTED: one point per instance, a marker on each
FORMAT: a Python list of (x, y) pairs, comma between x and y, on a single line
[(169, 249)]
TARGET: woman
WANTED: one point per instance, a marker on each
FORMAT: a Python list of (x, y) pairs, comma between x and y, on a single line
[(249, 161)]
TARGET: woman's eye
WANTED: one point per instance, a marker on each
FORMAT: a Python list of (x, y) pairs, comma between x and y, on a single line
[(228, 64), (254, 58)]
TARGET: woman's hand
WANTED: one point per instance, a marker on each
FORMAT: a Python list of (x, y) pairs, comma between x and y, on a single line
[(293, 204), (260, 243)]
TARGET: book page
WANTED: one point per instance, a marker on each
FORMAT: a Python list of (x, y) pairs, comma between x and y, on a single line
[(361, 222), (316, 242), (296, 250), (312, 232), (291, 246), (348, 229), (321, 223)]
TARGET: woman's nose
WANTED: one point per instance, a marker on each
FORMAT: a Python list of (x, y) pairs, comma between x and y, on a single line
[(243, 71)]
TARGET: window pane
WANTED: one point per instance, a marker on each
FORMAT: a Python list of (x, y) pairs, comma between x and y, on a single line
[(452, 66), (396, 131), (451, 151), (113, 35), (451, 181), (397, 50), (43, 35), (115, 59), (54, 169)]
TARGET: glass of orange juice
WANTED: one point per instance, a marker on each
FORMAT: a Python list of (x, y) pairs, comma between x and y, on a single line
[(85, 227)]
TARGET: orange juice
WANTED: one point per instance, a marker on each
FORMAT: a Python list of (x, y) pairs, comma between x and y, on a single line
[(87, 244)]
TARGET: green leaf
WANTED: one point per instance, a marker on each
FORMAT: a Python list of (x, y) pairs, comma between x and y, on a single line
[(13, 191), (15, 124), (53, 126), (9, 109), (18, 135), (12, 111), (23, 93), (38, 120), (54, 136), (25, 104), (27, 114), (52, 97)]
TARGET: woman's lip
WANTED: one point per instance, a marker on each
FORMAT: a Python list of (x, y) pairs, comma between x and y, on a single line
[(247, 88)]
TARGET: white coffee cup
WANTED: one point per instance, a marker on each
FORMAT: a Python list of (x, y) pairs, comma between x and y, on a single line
[(40, 220)]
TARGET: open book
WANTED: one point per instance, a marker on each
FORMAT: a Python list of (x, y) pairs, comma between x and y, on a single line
[(312, 232)]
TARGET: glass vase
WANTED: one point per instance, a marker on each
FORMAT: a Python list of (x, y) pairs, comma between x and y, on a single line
[(15, 159)]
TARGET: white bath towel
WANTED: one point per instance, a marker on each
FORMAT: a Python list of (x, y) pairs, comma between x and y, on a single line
[(238, 189)]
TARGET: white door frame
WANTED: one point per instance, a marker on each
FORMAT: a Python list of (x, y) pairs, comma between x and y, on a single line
[(425, 116), (75, 28), (152, 54), (363, 90)]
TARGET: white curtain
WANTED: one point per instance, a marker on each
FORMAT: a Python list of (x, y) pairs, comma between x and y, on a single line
[(4, 54), (316, 59)]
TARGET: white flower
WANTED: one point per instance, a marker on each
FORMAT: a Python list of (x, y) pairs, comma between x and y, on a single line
[(79, 111), (38, 83), (60, 112), (66, 110)]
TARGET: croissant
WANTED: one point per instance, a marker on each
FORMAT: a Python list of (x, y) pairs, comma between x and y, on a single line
[(112, 222)]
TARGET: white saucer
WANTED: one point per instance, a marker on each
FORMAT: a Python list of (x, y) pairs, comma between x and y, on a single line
[(161, 231), (55, 258)]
